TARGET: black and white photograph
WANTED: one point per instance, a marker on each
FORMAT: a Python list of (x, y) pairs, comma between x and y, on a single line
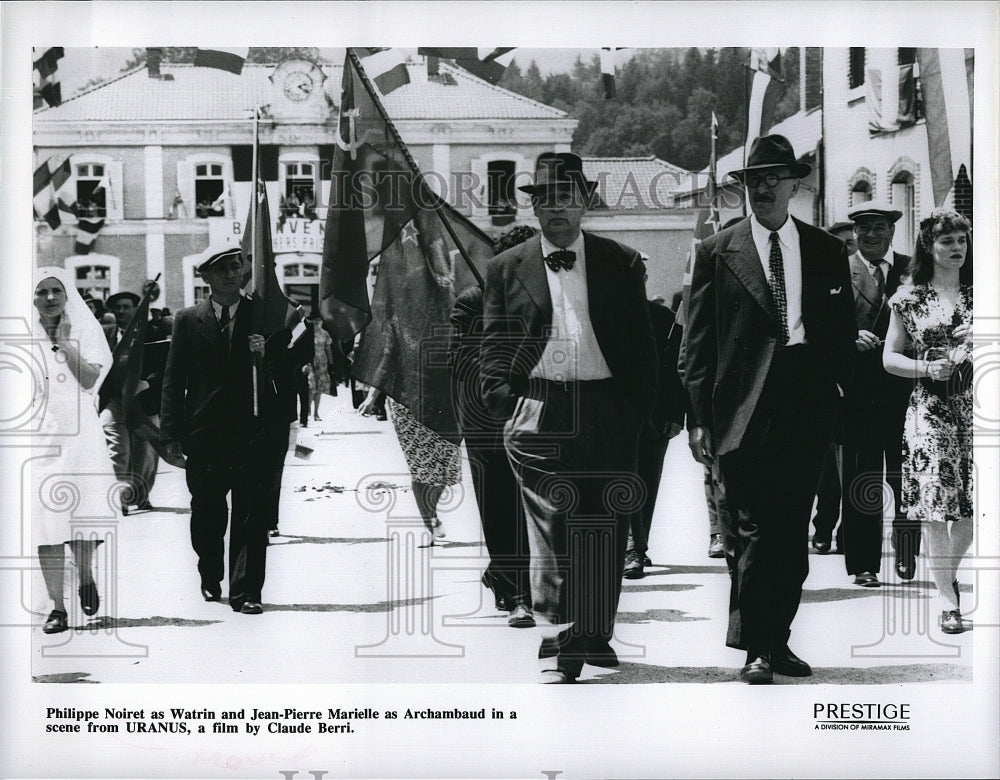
[(366, 391)]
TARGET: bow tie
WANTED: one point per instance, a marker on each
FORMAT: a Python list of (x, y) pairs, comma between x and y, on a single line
[(561, 258)]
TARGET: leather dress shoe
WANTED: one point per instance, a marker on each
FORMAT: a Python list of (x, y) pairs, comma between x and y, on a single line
[(555, 677), (56, 622), (211, 591), (716, 549), (951, 622), (905, 570), (822, 544), (633, 566), (784, 661), (647, 561), (521, 617), (866, 580), (251, 608), (757, 670), (602, 655)]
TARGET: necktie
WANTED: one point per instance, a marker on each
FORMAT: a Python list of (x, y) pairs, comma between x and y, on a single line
[(224, 322), (879, 280), (778, 287), (561, 258)]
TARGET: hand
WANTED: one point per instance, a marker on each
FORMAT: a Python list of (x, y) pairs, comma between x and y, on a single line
[(962, 332), (940, 370), (867, 341), (256, 342), (366, 406), (700, 442)]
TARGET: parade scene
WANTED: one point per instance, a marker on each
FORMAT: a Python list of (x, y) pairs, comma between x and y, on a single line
[(494, 365)]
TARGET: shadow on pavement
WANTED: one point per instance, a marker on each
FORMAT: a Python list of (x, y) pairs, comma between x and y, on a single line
[(64, 677), (379, 606), (677, 587), (875, 675), (276, 541), (657, 615)]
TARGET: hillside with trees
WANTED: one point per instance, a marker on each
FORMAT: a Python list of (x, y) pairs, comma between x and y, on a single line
[(664, 102)]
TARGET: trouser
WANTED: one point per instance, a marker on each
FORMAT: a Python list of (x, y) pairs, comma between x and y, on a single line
[(275, 449), (135, 460), (769, 483), (209, 481), (652, 451), (573, 449), (715, 498), (828, 495), (504, 527)]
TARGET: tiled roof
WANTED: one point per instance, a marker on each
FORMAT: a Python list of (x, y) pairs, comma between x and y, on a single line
[(210, 94), (635, 182)]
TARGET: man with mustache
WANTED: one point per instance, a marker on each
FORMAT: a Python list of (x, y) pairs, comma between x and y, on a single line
[(769, 338)]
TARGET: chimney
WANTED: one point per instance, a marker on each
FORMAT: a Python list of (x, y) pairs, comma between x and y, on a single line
[(153, 58)]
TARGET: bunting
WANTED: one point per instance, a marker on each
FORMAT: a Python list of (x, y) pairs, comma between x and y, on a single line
[(385, 67), (228, 59), (48, 89), (486, 63), (892, 101), (48, 180)]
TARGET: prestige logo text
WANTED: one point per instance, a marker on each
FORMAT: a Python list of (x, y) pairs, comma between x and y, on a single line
[(859, 716)]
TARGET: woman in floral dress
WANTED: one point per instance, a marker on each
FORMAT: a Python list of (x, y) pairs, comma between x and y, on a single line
[(929, 338)]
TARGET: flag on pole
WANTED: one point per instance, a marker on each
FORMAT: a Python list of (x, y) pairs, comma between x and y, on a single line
[(47, 181), (608, 72), (892, 101), (946, 86), (228, 59), (380, 208), (486, 63), (766, 88), (87, 230), (271, 307), (48, 88), (385, 67)]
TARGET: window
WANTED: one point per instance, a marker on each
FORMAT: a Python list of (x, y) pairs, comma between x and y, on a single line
[(301, 283), (91, 190), (861, 193), (904, 199), (299, 199), (209, 188), (856, 67), (94, 280), (201, 290), (501, 197)]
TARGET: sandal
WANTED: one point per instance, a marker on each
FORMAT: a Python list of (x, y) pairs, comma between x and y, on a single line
[(435, 527), (951, 622), (90, 599), (56, 622)]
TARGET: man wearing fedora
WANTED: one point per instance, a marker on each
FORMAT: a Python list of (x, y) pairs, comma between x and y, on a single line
[(768, 343), (134, 459), (876, 409), (569, 368), (208, 412)]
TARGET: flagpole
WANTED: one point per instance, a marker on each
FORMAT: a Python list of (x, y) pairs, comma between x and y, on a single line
[(414, 168), (253, 227)]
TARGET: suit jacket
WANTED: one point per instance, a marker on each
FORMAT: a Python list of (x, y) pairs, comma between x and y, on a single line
[(671, 401), (207, 394), (518, 319), (869, 312), (732, 326)]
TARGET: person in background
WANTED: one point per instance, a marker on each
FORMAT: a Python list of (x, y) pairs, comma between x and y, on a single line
[(318, 370), (874, 412), (76, 360), (930, 339)]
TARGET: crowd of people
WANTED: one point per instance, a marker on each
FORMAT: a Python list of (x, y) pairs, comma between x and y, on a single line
[(811, 366)]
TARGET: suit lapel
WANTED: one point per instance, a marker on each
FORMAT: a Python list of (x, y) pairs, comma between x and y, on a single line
[(208, 327), (530, 273), (598, 284), (862, 281), (742, 258)]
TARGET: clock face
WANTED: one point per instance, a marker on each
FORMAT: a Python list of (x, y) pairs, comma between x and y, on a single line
[(298, 85)]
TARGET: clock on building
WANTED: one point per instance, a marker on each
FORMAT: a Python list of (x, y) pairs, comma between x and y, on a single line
[(298, 79)]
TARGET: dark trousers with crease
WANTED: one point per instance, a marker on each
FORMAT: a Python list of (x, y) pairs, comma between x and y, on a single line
[(574, 453), (504, 530), (769, 484), (209, 481)]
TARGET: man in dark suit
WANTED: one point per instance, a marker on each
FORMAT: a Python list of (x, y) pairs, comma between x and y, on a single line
[(208, 411), (769, 337), (876, 410), (569, 362)]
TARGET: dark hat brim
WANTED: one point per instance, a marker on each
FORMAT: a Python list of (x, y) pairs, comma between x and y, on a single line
[(536, 189), (799, 170), (119, 296), (860, 213)]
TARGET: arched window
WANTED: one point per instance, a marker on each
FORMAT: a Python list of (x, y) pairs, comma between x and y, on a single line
[(301, 281), (861, 192), (904, 199), (91, 190), (203, 186)]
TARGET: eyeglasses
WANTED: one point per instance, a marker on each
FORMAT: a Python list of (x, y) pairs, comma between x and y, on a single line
[(771, 180)]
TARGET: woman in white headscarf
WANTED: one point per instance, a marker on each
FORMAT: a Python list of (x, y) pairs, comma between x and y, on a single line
[(75, 359)]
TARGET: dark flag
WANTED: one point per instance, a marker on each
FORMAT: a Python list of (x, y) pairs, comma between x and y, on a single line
[(380, 208), (608, 72), (46, 185), (48, 89), (487, 64), (87, 230), (127, 377), (228, 59), (274, 314)]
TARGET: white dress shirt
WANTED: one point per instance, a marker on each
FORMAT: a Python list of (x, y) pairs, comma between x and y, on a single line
[(791, 256), (885, 264), (572, 352), (217, 308)]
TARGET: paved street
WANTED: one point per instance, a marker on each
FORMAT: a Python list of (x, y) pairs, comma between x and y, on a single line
[(334, 614)]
